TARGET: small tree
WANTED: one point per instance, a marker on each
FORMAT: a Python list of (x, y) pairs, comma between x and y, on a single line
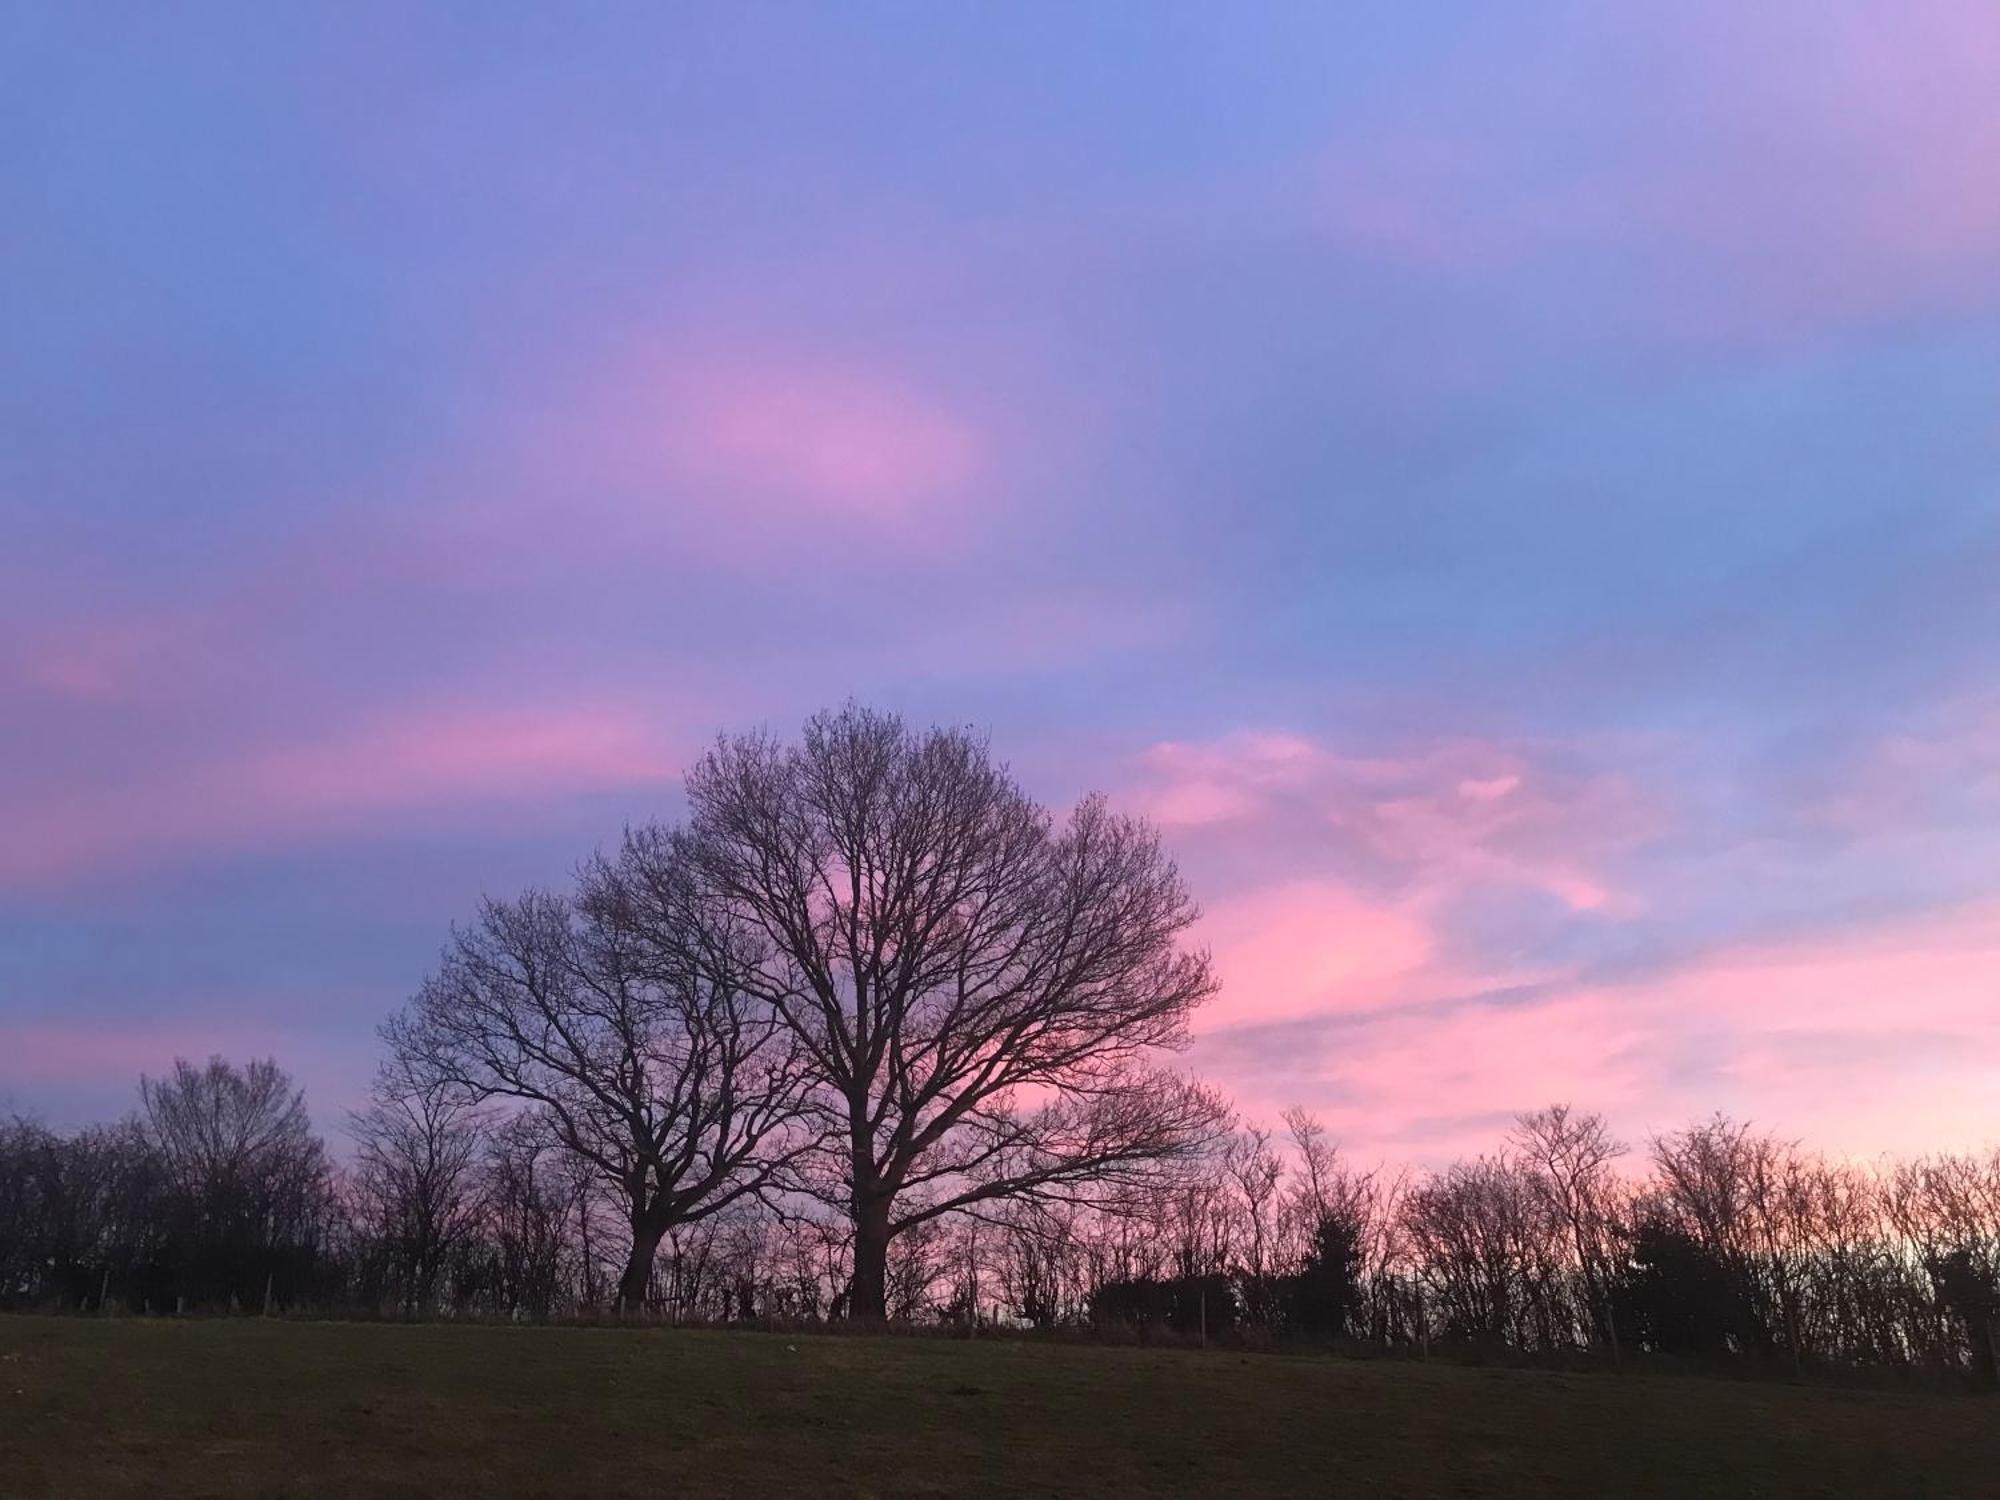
[(1679, 1296), (619, 1017), (1255, 1173), (1570, 1156), (527, 1202), (418, 1150), (1343, 1226), (247, 1178), (1327, 1288), (1970, 1291)]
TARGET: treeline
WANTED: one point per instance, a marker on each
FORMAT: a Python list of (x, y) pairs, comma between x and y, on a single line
[(1716, 1242), (872, 1035), (218, 1196)]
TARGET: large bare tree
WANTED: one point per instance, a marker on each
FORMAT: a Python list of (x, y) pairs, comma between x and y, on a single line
[(979, 988), (619, 1016)]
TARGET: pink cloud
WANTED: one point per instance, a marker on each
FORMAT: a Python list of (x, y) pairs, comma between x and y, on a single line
[(1828, 163), (85, 1070), (1307, 947), (1441, 815), (102, 655), (1903, 101), (1407, 198), (432, 759), (833, 438), (743, 459), (91, 671), (1868, 1040), (429, 764), (1859, 1043), (1339, 934), (1337, 946), (53, 1052), (1944, 772), (1426, 1083)]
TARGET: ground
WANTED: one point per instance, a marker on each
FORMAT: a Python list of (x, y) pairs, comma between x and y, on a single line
[(275, 1408)]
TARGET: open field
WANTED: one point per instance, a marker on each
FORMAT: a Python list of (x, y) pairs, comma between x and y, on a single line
[(251, 1408)]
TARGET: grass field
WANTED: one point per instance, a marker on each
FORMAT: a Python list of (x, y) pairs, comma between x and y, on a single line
[(252, 1408)]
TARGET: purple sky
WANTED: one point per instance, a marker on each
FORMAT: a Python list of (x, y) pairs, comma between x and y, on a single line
[(1513, 490)]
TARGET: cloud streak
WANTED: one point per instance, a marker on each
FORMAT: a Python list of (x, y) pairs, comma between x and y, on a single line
[(1497, 926), (438, 767)]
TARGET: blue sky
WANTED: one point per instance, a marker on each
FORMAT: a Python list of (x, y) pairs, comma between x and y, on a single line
[(1515, 494)]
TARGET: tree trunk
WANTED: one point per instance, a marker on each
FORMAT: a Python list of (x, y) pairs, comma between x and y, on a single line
[(868, 1301), (637, 1279)]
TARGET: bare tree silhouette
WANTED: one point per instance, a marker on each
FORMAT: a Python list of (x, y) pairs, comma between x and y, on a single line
[(620, 1017), (1569, 1156), (418, 1148), (977, 987)]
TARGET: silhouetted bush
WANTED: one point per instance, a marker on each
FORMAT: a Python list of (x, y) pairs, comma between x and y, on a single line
[(1193, 1306)]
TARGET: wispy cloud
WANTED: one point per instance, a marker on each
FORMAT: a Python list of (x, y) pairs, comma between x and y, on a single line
[(1495, 926), (428, 765)]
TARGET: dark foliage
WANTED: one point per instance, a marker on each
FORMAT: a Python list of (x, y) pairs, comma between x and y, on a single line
[(1194, 1306), (1679, 1297), (1326, 1293)]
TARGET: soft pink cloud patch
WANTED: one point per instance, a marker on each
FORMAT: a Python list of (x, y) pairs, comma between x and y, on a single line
[(1310, 947), (1339, 888), (1440, 816), (1943, 772), (839, 439), (428, 764), (971, 631), (75, 1072), (1867, 1040), (1428, 1086), (101, 656), (1858, 1042), (1903, 98), (742, 457), (1342, 877), (52, 1052), (89, 671), (431, 760), (1408, 198), (1803, 165)]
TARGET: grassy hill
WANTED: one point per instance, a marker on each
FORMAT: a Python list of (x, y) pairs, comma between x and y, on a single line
[(251, 1408)]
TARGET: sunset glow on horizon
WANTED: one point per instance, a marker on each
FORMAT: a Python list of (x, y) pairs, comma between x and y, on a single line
[(1512, 496)]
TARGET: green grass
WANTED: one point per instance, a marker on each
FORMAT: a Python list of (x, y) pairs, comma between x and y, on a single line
[(253, 1408)]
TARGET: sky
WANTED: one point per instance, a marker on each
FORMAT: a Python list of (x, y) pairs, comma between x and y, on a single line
[(1513, 492)]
